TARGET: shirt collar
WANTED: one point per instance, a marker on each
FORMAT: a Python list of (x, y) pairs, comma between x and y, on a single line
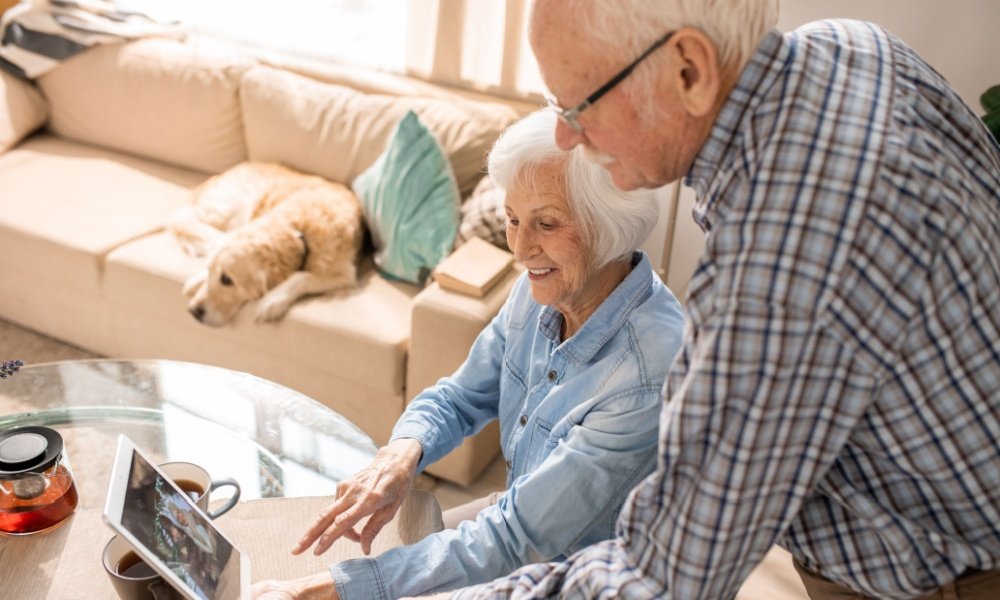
[(609, 317), (760, 73)]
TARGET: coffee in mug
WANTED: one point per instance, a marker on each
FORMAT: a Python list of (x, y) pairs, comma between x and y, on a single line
[(198, 485), (130, 565), (131, 577), (193, 489)]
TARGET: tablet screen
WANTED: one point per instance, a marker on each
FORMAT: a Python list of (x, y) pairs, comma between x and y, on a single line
[(166, 522)]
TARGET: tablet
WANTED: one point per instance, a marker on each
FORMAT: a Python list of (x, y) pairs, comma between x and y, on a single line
[(172, 535)]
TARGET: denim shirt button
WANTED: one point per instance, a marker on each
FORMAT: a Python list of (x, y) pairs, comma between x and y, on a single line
[(509, 465), (552, 375), (523, 420)]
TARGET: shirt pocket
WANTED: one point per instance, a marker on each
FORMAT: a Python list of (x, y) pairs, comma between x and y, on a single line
[(540, 445), (513, 392)]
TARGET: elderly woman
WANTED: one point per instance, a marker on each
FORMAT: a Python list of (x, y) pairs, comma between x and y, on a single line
[(572, 367)]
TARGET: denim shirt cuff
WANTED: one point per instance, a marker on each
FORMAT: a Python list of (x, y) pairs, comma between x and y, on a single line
[(359, 579), (417, 432)]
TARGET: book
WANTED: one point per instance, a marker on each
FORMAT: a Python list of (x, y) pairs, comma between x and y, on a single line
[(473, 268)]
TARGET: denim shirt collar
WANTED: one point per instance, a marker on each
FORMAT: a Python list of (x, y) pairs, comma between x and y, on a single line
[(602, 325), (762, 70)]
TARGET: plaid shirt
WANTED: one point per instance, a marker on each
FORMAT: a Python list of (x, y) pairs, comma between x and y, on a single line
[(838, 391)]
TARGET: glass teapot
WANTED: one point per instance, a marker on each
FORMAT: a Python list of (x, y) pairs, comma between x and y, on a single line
[(37, 490)]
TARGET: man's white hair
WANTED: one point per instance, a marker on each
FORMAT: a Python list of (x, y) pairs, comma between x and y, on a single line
[(628, 27), (614, 222)]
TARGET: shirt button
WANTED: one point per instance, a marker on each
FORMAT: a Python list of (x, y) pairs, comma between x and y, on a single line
[(523, 420), (508, 464), (552, 375)]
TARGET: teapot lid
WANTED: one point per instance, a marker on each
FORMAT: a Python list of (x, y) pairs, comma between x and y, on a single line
[(29, 449)]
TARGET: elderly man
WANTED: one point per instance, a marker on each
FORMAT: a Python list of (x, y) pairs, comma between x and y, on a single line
[(838, 392)]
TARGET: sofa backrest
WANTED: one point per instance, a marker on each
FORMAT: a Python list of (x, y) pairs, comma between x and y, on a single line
[(22, 110), (337, 131), (157, 98), (206, 106)]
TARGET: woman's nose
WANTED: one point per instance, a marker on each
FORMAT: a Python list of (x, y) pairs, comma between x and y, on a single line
[(522, 245)]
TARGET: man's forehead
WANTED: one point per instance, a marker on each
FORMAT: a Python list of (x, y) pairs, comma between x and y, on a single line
[(567, 56)]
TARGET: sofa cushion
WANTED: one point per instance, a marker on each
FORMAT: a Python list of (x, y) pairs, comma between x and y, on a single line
[(358, 335), (22, 109), (163, 99), (410, 203), (338, 132), (60, 213)]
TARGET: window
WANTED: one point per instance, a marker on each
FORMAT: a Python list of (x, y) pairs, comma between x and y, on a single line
[(474, 44), (370, 33)]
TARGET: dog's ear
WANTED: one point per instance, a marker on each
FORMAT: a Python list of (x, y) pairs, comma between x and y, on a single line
[(258, 283)]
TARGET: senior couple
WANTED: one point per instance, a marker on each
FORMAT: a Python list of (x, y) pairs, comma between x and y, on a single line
[(837, 388)]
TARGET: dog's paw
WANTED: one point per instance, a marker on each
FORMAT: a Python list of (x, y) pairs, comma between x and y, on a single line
[(194, 283), (271, 308)]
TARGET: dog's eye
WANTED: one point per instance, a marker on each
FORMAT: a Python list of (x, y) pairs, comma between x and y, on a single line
[(225, 279)]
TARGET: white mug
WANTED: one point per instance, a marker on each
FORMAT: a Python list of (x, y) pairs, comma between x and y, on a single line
[(198, 485)]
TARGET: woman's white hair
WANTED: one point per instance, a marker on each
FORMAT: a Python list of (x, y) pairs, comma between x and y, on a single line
[(614, 222), (735, 26)]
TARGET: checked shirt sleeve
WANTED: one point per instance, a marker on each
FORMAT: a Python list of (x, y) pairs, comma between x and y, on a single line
[(760, 415)]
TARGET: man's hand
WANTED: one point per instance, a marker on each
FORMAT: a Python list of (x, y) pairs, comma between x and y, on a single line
[(377, 490)]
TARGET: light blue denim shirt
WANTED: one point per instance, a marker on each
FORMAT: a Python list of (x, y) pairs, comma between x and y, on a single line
[(578, 427)]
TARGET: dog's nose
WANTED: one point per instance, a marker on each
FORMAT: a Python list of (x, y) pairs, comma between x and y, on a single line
[(197, 312)]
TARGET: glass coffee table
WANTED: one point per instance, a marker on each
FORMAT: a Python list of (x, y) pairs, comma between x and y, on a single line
[(274, 441)]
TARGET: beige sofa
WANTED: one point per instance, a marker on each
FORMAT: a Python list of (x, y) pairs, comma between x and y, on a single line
[(99, 153)]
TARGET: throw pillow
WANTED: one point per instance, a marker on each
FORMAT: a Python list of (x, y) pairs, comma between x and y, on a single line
[(483, 215), (410, 202)]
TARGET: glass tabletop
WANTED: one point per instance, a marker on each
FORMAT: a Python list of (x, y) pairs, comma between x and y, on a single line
[(273, 440)]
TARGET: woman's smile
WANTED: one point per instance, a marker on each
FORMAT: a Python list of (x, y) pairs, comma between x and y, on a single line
[(539, 274)]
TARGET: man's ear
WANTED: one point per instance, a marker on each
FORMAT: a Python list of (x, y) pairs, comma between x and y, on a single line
[(698, 73)]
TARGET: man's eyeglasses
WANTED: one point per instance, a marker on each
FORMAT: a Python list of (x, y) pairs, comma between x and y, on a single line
[(570, 115)]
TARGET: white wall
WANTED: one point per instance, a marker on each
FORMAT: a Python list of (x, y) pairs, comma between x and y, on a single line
[(957, 37)]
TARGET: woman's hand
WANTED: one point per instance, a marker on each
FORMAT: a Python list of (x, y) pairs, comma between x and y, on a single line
[(314, 587), (376, 490)]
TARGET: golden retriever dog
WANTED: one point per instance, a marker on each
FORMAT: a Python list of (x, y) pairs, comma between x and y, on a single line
[(270, 234)]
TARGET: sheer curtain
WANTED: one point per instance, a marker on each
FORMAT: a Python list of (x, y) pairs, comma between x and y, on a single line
[(476, 44), (369, 33), (471, 44)]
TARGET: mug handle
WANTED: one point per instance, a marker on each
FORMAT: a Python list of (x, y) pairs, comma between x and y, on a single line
[(159, 590), (232, 499)]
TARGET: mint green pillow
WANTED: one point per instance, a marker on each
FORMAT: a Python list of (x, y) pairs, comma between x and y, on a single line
[(410, 202)]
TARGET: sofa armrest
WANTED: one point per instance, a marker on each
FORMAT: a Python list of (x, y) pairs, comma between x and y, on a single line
[(443, 327), (22, 110)]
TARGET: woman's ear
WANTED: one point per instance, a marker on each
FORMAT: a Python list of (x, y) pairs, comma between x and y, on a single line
[(698, 73)]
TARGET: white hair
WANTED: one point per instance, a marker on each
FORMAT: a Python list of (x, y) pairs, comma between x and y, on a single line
[(614, 222), (736, 27)]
